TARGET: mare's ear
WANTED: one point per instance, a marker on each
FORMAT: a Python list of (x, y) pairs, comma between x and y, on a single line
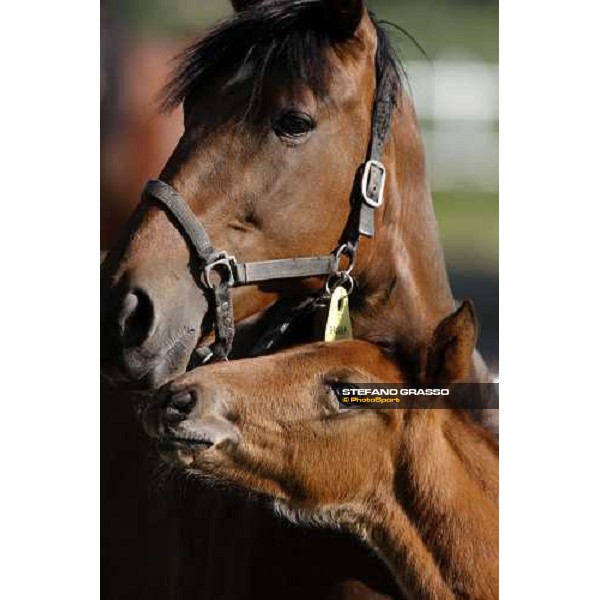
[(450, 352), (239, 5), (343, 16)]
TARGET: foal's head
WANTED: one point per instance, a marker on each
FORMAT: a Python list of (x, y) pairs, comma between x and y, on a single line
[(277, 112), (274, 425)]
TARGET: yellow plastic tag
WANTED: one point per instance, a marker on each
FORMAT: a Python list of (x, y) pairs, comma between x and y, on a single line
[(338, 326)]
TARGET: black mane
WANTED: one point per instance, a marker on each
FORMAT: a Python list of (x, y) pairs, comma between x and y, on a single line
[(292, 37)]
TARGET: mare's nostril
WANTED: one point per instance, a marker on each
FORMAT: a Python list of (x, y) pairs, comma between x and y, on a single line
[(136, 318)]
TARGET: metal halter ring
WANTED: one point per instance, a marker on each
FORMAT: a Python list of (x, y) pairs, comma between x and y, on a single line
[(223, 264), (348, 250), (337, 279)]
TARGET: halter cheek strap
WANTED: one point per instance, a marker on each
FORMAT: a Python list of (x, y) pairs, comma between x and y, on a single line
[(180, 210), (373, 178)]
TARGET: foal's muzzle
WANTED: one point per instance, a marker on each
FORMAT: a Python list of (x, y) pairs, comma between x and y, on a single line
[(188, 421)]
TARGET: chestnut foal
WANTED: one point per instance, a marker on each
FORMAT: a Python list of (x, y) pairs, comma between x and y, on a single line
[(419, 486)]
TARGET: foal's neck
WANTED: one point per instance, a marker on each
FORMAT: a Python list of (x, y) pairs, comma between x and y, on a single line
[(438, 532)]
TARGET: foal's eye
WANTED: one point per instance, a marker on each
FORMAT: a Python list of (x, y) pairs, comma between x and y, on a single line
[(331, 402), (293, 125)]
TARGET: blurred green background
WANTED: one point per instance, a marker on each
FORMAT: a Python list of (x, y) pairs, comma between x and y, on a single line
[(471, 25), (455, 87)]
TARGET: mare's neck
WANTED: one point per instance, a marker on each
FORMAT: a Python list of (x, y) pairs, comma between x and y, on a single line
[(438, 531), (404, 290), (402, 270)]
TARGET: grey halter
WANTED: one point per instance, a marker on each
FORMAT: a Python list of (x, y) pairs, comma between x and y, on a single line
[(235, 274)]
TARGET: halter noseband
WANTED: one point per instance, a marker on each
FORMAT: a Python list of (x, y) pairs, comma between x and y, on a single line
[(235, 274)]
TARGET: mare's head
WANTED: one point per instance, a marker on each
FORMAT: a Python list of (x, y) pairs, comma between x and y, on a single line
[(277, 112), (274, 425)]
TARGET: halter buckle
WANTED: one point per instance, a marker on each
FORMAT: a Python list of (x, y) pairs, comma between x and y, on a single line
[(373, 183), (224, 265)]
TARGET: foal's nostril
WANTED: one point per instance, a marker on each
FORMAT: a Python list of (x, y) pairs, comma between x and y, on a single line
[(172, 415), (177, 407), (136, 318), (182, 402)]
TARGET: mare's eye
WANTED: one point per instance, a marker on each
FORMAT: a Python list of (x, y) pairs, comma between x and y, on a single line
[(293, 125)]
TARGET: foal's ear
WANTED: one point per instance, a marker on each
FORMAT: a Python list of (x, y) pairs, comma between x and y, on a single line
[(451, 349), (239, 5), (343, 16)]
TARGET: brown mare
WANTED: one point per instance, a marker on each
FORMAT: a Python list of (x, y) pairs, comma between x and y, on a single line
[(277, 112), (418, 486)]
